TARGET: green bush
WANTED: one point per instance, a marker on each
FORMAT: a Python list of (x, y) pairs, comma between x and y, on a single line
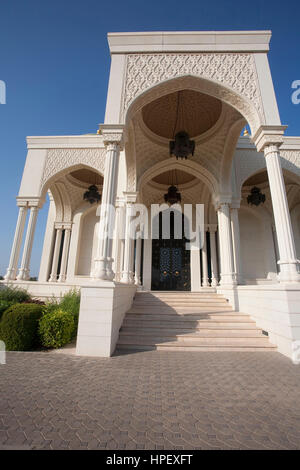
[(14, 294), (56, 328), (71, 303), (4, 304), (19, 325)]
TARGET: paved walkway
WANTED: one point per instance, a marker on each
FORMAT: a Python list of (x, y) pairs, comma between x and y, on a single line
[(150, 400)]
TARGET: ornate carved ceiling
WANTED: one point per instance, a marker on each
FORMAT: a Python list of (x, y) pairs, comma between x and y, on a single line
[(149, 149), (174, 177), (87, 176), (262, 178), (187, 110)]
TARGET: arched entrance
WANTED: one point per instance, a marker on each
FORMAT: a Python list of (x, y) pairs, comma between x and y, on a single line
[(170, 258)]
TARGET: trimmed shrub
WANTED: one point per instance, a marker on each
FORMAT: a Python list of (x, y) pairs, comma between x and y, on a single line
[(14, 294), (70, 302), (56, 328), (34, 301), (19, 326), (4, 304)]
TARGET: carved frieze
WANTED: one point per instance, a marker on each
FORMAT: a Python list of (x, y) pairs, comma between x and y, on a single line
[(236, 71), (61, 159)]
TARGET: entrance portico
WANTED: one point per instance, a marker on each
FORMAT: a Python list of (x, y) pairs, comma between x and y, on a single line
[(209, 85)]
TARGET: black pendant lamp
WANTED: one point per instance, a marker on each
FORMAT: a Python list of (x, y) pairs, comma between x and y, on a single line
[(92, 195), (173, 196), (181, 146), (256, 197)]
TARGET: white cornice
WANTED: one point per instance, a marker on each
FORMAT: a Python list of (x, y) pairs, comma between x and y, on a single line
[(96, 141), (193, 41), (65, 141), (289, 143)]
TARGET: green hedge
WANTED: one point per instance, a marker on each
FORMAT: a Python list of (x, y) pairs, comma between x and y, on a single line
[(4, 305), (19, 326), (69, 303), (56, 328), (14, 294)]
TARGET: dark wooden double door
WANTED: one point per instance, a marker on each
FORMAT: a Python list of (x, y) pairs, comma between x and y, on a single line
[(170, 261)]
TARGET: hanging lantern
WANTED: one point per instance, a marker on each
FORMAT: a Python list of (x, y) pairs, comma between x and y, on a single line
[(256, 197), (181, 146), (172, 196), (92, 195)]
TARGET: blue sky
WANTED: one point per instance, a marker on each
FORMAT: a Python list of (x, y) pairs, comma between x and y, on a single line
[(55, 61)]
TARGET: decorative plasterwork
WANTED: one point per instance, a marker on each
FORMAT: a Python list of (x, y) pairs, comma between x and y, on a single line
[(208, 153), (249, 162), (131, 158), (64, 159), (290, 160), (112, 134), (196, 194), (236, 71), (267, 136), (190, 110)]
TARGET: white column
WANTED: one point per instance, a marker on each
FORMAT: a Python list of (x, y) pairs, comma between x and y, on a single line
[(274, 235), (226, 254), (53, 275), (46, 258), (127, 274), (138, 252), (213, 256), (204, 262), (147, 255), (288, 259), (16, 247), (119, 240), (195, 269), (64, 258), (25, 263), (103, 261), (236, 245)]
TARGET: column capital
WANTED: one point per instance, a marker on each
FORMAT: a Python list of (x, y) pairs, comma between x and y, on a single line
[(120, 201), (59, 226), (222, 200), (268, 136), (29, 202), (130, 197), (212, 227), (235, 204), (113, 134), (67, 225)]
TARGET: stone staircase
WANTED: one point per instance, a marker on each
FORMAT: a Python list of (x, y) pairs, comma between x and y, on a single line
[(187, 321)]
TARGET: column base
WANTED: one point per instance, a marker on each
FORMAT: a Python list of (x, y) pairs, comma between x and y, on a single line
[(10, 275), (127, 277), (228, 280), (103, 269), (23, 275), (288, 271)]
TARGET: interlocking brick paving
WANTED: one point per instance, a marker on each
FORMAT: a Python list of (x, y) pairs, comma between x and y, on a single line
[(150, 400)]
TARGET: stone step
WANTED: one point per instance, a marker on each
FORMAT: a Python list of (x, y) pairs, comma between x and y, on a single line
[(190, 347), (189, 324), (190, 295), (196, 340), (191, 332), (181, 310), (220, 316), (183, 303), (187, 321)]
